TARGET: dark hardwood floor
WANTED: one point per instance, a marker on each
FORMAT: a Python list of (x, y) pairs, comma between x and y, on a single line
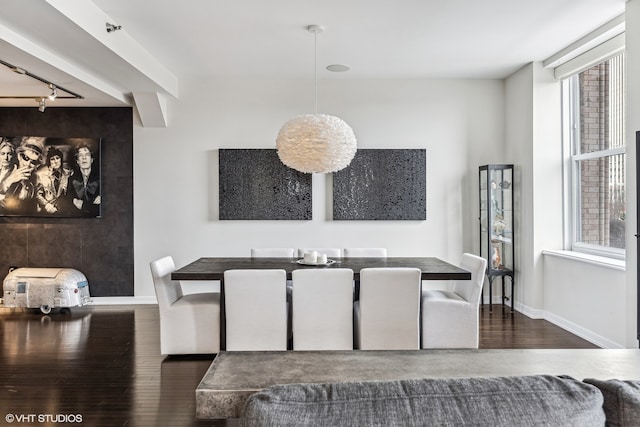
[(101, 365), (501, 329)]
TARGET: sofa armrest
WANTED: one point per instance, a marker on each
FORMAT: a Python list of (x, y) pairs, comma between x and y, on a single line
[(621, 401)]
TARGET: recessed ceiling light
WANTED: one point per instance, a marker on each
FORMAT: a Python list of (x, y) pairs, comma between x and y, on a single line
[(338, 68)]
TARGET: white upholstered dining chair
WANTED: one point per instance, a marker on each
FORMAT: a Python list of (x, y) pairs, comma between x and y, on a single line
[(322, 315), (387, 316), (450, 319), (365, 252), (255, 309), (189, 324), (278, 253)]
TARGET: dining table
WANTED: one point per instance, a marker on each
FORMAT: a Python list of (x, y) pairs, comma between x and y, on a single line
[(213, 268)]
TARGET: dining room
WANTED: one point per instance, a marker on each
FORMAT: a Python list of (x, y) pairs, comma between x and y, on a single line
[(181, 169), (460, 122)]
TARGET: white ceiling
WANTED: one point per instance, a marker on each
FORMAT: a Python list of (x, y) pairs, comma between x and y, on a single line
[(164, 41)]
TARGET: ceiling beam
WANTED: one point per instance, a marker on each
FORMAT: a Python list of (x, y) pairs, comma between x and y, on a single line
[(91, 19), (152, 109)]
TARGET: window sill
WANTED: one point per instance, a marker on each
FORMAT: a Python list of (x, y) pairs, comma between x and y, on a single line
[(612, 263)]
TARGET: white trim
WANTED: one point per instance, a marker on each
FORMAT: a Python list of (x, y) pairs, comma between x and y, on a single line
[(603, 251), (531, 313), (583, 333), (597, 260), (568, 326), (572, 227), (123, 300), (600, 153), (592, 57), (601, 34)]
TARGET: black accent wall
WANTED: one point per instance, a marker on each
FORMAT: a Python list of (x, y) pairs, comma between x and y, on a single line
[(102, 248)]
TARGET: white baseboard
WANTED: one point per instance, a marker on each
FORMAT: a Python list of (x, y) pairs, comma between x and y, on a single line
[(532, 313), (586, 334), (123, 300), (569, 326)]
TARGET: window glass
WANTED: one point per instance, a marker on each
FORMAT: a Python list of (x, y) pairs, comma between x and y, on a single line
[(598, 158), (602, 201)]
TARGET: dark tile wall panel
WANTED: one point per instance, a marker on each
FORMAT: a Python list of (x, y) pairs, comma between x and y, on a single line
[(255, 185), (382, 185), (101, 248)]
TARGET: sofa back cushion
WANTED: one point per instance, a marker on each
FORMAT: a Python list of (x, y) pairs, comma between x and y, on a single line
[(504, 401), (621, 401)]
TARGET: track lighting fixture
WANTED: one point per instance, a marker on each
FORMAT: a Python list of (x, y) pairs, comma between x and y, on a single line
[(111, 27), (41, 99), (54, 91)]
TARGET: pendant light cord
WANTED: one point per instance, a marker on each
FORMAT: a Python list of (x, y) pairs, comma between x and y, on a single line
[(315, 29), (315, 68)]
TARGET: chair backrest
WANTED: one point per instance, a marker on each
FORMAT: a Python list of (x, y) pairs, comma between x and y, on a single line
[(330, 252), (390, 308), (272, 252), (255, 310), (471, 290), (322, 315), (167, 291), (365, 252)]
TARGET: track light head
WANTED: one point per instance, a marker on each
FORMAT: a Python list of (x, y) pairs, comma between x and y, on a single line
[(111, 27), (54, 91), (42, 104)]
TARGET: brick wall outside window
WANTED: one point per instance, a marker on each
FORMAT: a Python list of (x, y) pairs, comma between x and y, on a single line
[(594, 125), (602, 186)]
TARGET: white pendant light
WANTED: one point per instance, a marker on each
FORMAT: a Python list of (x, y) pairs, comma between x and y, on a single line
[(316, 143)]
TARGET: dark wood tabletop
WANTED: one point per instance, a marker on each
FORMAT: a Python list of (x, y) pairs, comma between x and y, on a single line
[(214, 268)]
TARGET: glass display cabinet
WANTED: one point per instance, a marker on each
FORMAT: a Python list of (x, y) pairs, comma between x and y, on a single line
[(496, 226)]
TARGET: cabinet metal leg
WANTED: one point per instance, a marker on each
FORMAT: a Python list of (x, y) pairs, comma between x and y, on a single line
[(513, 299), (490, 294), (505, 298), (511, 296)]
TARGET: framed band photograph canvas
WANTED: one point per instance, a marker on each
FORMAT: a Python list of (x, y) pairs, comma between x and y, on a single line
[(50, 177)]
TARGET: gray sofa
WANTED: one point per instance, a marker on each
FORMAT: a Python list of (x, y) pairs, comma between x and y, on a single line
[(505, 401)]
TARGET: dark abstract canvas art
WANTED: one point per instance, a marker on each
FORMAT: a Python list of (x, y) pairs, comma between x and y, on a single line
[(384, 184), (255, 185)]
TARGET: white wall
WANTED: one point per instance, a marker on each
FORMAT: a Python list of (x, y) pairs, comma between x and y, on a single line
[(519, 150), (460, 123), (533, 144), (632, 46), (586, 298)]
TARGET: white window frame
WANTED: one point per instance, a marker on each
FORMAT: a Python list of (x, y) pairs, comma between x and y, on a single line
[(571, 135)]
